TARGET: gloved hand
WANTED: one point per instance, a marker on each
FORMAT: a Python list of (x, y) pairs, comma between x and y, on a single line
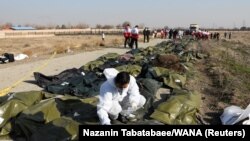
[(107, 124), (134, 106), (247, 122)]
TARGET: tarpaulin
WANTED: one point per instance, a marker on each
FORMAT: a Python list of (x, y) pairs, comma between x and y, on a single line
[(179, 109), (46, 113)]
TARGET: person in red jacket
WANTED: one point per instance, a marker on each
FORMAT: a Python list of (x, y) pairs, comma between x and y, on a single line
[(134, 37), (127, 35)]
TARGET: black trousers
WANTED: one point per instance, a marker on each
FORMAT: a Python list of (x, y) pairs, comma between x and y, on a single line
[(147, 38), (134, 41), (127, 41)]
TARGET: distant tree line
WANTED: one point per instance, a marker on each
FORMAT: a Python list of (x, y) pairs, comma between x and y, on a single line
[(230, 29), (8, 25), (245, 28), (48, 26), (71, 26)]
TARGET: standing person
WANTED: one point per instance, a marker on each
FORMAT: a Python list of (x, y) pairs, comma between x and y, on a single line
[(166, 33), (211, 35), (225, 35), (119, 94), (171, 33), (218, 36), (144, 34), (175, 32), (147, 34), (162, 33), (103, 36), (155, 33), (230, 34), (134, 37), (215, 35), (127, 35)]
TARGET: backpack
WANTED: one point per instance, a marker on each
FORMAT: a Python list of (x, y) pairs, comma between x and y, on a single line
[(9, 56)]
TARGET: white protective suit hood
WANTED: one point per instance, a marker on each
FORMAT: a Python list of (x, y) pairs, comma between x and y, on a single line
[(110, 74)]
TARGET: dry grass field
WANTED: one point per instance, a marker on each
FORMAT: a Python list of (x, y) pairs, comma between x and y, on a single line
[(243, 37), (223, 78), (237, 36), (36, 47)]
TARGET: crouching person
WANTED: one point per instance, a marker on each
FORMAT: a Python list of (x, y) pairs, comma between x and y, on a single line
[(119, 94)]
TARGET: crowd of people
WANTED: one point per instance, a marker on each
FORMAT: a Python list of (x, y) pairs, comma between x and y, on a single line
[(131, 35), (216, 35)]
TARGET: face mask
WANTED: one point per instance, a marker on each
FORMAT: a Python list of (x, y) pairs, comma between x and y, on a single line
[(120, 89)]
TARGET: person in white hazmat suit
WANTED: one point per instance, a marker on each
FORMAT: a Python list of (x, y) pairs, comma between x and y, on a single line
[(119, 94)]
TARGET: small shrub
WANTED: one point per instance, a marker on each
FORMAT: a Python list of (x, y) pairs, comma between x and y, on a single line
[(60, 49), (26, 45), (102, 44), (28, 52), (115, 42)]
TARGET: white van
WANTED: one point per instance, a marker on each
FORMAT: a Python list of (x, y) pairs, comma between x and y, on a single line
[(194, 27)]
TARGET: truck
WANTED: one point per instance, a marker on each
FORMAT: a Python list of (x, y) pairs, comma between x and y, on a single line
[(194, 27)]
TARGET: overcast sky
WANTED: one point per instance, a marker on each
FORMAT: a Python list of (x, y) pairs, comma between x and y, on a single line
[(152, 13)]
